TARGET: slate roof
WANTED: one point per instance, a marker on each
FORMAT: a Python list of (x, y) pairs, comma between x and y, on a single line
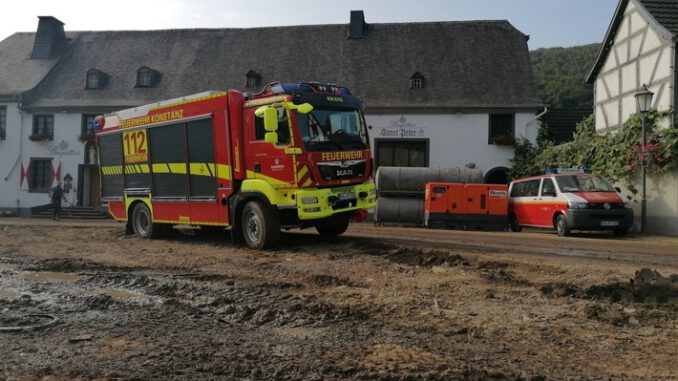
[(18, 72), (663, 12), (472, 64)]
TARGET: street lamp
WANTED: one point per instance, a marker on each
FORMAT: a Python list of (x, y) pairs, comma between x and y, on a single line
[(643, 103)]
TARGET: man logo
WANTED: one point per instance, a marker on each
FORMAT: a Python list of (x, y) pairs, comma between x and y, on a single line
[(607, 206)]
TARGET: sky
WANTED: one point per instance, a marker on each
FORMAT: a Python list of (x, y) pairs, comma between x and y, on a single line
[(549, 23)]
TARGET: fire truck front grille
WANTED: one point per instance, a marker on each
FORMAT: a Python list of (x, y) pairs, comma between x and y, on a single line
[(337, 170)]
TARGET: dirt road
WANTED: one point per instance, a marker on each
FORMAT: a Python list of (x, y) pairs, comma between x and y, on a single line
[(86, 301)]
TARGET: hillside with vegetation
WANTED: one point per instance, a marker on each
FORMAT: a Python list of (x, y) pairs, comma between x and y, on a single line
[(560, 74)]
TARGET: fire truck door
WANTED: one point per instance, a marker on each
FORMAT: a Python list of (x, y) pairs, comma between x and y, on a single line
[(269, 161)]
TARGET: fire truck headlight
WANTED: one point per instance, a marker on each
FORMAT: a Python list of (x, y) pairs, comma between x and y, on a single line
[(309, 200), (578, 205)]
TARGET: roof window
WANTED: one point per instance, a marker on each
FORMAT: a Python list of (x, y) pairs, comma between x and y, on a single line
[(147, 77)]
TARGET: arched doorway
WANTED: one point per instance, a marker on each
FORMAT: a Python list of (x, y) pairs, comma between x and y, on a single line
[(497, 175)]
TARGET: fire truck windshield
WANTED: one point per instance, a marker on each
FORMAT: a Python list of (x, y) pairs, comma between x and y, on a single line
[(583, 183), (326, 129)]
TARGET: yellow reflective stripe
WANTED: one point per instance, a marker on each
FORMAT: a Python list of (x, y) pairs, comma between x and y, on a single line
[(177, 167), (224, 171), (303, 172), (200, 169), (161, 168), (307, 182)]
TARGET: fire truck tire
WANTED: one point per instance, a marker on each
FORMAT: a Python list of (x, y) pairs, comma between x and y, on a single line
[(513, 224), (333, 226), (561, 226), (142, 223), (260, 226)]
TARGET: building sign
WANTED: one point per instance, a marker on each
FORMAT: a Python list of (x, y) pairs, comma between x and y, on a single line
[(62, 149), (401, 128)]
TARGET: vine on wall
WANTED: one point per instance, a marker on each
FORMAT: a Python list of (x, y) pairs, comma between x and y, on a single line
[(616, 155)]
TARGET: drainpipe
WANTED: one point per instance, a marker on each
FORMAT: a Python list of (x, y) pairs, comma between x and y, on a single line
[(546, 109)]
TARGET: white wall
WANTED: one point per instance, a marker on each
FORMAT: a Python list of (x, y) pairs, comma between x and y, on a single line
[(10, 168), (454, 139), (641, 54), (64, 149)]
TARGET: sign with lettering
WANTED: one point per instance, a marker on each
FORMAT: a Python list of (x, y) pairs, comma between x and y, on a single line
[(401, 128), (62, 148), (135, 147)]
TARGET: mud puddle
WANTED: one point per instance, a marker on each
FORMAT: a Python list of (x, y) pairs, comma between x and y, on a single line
[(49, 276)]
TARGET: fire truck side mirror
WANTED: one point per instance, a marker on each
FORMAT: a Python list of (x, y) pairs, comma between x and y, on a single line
[(271, 120), (271, 137)]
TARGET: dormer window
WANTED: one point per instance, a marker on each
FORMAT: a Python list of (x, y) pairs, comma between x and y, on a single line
[(96, 79), (253, 79), (147, 77), (417, 81)]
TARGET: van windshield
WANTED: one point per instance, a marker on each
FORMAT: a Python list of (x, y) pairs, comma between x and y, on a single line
[(583, 183)]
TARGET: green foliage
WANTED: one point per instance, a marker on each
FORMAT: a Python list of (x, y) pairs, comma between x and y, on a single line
[(560, 74), (616, 155)]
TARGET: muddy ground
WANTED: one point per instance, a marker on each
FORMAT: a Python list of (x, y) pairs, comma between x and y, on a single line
[(89, 302)]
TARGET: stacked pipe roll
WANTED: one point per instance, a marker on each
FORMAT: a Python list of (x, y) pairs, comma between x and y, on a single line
[(402, 190)]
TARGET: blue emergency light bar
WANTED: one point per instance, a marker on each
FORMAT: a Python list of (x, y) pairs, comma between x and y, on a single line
[(306, 87), (565, 171)]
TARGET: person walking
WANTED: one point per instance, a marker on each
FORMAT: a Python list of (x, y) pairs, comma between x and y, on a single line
[(57, 194)]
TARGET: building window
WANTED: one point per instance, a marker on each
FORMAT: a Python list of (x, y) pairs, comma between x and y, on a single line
[(502, 129), (43, 127), (253, 79), (3, 122), (86, 130), (401, 153), (40, 175), (147, 77), (417, 81), (95, 79)]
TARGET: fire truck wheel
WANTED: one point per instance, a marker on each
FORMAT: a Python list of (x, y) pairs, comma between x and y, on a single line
[(333, 226), (513, 224), (561, 226), (260, 226), (142, 222)]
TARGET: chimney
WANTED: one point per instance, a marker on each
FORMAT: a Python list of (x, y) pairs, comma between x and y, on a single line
[(358, 25), (50, 39)]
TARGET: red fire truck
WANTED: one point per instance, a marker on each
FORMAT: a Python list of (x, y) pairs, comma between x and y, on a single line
[(293, 156)]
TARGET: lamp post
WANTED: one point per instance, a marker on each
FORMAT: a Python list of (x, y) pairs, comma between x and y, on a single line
[(643, 103)]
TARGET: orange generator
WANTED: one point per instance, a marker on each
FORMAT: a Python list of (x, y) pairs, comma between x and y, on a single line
[(466, 206)]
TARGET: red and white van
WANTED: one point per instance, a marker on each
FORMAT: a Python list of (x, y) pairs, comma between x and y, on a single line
[(568, 199)]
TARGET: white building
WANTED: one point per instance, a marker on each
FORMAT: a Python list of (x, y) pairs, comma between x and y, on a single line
[(640, 49), (436, 94)]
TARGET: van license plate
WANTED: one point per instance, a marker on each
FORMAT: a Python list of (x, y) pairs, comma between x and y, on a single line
[(609, 223)]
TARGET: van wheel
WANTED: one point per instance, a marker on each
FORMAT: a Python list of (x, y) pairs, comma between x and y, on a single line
[(513, 224), (142, 223), (260, 226), (561, 226), (333, 226)]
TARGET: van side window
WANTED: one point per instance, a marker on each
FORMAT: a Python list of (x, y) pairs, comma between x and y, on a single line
[(531, 188), (548, 188), (518, 190)]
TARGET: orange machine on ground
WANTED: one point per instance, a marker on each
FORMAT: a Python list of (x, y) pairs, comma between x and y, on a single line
[(466, 206)]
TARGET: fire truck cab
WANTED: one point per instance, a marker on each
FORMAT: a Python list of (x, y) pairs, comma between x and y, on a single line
[(567, 199)]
